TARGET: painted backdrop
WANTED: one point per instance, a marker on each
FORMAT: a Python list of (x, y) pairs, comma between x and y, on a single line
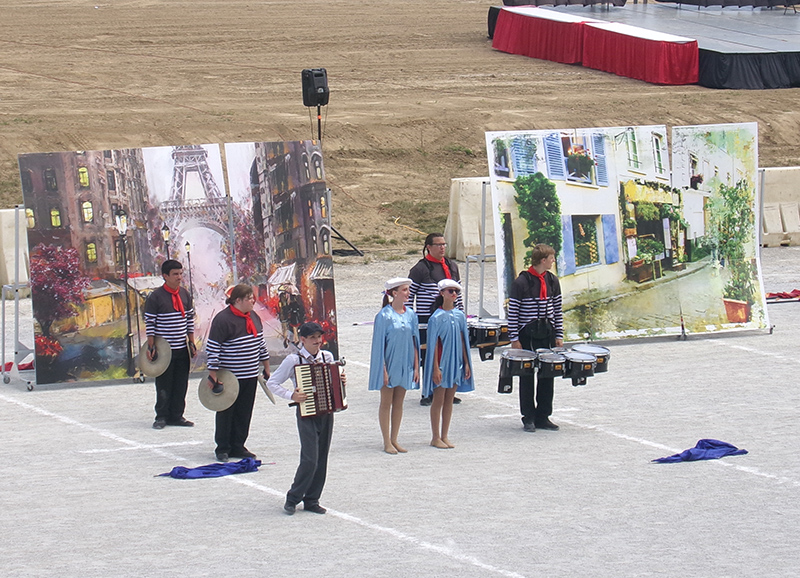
[(641, 249), (89, 322)]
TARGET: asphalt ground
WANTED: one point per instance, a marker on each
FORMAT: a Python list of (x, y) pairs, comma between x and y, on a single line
[(81, 498)]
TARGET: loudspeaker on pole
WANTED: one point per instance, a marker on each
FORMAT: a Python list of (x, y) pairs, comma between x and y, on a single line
[(315, 87)]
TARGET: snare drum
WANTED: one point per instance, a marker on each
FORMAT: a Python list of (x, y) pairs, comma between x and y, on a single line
[(517, 362), (549, 363), (602, 355), (483, 334), (579, 364)]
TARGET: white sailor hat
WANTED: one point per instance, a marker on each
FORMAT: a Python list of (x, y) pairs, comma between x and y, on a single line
[(396, 282), (448, 283)]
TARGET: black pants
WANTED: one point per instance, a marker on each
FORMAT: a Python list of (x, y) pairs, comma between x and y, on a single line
[(233, 424), (315, 441), (543, 408), (171, 387)]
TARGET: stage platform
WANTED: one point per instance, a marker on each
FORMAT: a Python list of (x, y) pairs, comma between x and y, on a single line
[(739, 47)]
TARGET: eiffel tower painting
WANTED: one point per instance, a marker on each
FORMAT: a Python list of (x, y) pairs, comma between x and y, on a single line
[(182, 212)]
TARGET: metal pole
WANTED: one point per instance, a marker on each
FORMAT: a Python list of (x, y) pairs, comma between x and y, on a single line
[(189, 263), (128, 302)]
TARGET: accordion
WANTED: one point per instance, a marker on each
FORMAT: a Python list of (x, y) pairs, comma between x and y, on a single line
[(321, 383)]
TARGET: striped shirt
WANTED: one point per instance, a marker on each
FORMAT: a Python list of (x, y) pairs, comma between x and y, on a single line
[(524, 304), (425, 276), (161, 319), (230, 346)]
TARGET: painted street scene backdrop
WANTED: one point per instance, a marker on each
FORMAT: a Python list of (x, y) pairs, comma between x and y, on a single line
[(97, 219), (642, 249)]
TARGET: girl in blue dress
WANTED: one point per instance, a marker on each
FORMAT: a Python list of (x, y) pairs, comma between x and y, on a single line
[(394, 362), (448, 367)]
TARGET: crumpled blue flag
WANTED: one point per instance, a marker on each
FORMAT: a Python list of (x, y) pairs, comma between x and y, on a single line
[(706, 449), (214, 470)]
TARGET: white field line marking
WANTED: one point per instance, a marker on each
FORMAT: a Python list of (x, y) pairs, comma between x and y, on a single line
[(648, 443), (755, 350), (436, 548), (142, 447)]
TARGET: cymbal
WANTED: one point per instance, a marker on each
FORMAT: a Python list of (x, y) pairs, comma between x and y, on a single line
[(263, 383), (160, 363), (219, 401)]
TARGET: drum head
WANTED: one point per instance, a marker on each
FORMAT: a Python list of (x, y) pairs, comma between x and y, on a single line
[(160, 363), (591, 349), (552, 357), (519, 354), (219, 401), (578, 357)]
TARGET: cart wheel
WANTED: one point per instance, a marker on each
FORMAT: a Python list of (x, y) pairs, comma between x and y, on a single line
[(6, 379), (141, 378), (30, 387)]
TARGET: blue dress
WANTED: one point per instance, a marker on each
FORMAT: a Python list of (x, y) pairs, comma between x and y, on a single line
[(451, 328), (395, 341)]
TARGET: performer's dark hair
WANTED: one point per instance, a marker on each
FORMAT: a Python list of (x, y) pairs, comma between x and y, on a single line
[(241, 291), (429, 241), (170, 265)]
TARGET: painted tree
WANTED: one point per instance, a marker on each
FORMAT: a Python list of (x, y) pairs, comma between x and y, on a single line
[(57, 284), (540, 207)]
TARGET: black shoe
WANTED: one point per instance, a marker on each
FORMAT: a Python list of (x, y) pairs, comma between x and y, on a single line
[(529, 427), (159, 424), (547, 424), (456, 400), (289, 508), (426, 400), (183, 422), (315, 508), (242, 453), (222, 457)]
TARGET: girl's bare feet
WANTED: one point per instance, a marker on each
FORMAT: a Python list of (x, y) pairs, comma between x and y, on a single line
[(448, 443), (437, 443), (399, 448), (389, 449)]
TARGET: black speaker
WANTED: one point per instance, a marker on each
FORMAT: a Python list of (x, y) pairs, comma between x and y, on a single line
[(315, 87)]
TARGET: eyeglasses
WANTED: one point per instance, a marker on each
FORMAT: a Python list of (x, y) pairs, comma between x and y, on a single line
[(438, 244), (452, 290)]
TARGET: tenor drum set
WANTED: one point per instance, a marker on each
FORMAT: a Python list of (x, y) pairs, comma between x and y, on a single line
[(577, 363), (486, 335)]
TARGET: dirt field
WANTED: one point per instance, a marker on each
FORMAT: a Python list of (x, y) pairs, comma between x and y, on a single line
[(414, 85)]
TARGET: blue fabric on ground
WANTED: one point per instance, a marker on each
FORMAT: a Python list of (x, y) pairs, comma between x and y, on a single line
[(706, 449), (214, 470)]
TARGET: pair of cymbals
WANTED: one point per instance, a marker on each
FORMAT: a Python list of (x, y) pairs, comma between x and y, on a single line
[(159, 365)]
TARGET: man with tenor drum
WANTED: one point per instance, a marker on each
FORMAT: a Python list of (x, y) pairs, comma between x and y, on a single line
[(535, 321), (169, 313)]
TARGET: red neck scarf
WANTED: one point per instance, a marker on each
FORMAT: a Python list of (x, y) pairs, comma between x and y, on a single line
[(177, 302), (542, 284), (443, 263), (251, 327)]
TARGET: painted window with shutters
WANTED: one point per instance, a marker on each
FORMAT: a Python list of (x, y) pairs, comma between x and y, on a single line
[(523, 156), (579, 159), (632, 147)]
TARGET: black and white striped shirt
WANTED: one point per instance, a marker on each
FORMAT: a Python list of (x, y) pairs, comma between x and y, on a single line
[(425, 276), (160, 317), (524, 304), (230, 346)]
